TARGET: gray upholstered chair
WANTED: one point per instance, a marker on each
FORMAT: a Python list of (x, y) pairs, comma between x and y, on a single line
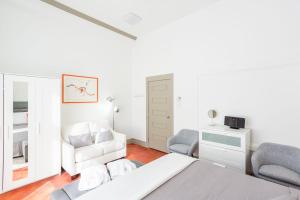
[(277, 163), (185, 142)]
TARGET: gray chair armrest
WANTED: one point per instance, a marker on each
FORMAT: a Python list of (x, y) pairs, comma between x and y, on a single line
[(193, 148), (171, 140), (262, 156), (257, 161)]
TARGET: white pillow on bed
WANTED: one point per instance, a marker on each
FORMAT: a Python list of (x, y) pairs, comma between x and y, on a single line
[(92, 177)]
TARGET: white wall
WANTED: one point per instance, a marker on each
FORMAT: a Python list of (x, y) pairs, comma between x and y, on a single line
[(38, 39), (231, 40), (239, 44)]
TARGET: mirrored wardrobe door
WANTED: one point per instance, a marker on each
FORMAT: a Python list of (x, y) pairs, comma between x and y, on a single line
[(19, 128)]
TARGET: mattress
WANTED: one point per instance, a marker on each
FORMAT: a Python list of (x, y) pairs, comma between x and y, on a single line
[(205, 181)]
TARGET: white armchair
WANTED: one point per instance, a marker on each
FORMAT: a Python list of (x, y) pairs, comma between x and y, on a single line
[(76, 159)]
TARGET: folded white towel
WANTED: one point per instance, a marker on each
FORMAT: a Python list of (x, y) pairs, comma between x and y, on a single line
[(120, 167), (93, 177)]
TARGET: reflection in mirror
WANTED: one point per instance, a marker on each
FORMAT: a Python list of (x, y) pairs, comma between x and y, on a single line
[(20, 131)]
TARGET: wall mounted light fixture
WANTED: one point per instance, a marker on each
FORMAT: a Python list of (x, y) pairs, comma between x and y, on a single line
[(212, 114)]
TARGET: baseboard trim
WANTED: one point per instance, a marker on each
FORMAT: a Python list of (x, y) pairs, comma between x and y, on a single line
[(138, 142)]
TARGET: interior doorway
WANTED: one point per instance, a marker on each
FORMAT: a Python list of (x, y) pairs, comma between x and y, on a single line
[(159, 111)]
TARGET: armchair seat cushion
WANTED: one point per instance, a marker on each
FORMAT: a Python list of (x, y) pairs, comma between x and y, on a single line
[(88, 152), (111, 146), (180, 148), (280, 173)]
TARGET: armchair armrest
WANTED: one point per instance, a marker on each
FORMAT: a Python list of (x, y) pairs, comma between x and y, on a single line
[(119, 136), (171, 140), (193, 147), (68, 157), (257, 161)]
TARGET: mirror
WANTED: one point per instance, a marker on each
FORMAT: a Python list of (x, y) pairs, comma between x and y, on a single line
[(20, 147)]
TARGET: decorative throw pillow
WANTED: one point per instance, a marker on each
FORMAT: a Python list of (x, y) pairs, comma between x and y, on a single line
[(103, 136), (75, 129), (95, 132), (81, 140)]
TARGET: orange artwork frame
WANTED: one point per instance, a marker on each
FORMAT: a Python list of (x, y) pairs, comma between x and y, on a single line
[(82, 90)]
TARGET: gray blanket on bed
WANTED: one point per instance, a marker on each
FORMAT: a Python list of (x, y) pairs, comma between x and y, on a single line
[(204, 181)]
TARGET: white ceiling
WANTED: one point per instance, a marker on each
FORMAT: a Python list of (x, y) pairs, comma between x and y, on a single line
[(155, 13)]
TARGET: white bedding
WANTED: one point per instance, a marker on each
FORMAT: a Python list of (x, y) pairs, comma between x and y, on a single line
[(92, 177), (120, 168), (142, 181)]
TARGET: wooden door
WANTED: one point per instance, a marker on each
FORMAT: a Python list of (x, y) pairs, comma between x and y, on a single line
[(159, 111), (48, 127)]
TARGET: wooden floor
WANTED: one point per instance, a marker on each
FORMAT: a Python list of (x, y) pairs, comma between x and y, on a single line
[(41, 190)]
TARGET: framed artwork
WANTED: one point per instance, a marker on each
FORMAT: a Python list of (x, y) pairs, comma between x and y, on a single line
[(79, 89)]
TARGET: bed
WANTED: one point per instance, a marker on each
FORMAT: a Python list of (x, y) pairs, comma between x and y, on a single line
[(177, 177)]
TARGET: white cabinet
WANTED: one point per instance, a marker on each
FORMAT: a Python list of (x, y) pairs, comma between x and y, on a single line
[(32, 141), (225, 147), (48, 128)]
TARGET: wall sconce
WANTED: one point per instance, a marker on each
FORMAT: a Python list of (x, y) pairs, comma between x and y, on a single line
[(212, 114)]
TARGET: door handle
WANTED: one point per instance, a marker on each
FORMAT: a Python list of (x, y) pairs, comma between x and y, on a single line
[(168, 117)]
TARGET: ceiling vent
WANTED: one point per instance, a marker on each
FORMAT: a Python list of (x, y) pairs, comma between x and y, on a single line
[(132, 19)]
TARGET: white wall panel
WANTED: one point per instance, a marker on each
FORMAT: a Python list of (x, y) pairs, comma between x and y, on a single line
[(225, 38)]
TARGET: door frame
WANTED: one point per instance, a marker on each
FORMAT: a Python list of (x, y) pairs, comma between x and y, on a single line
[(159, 78)]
